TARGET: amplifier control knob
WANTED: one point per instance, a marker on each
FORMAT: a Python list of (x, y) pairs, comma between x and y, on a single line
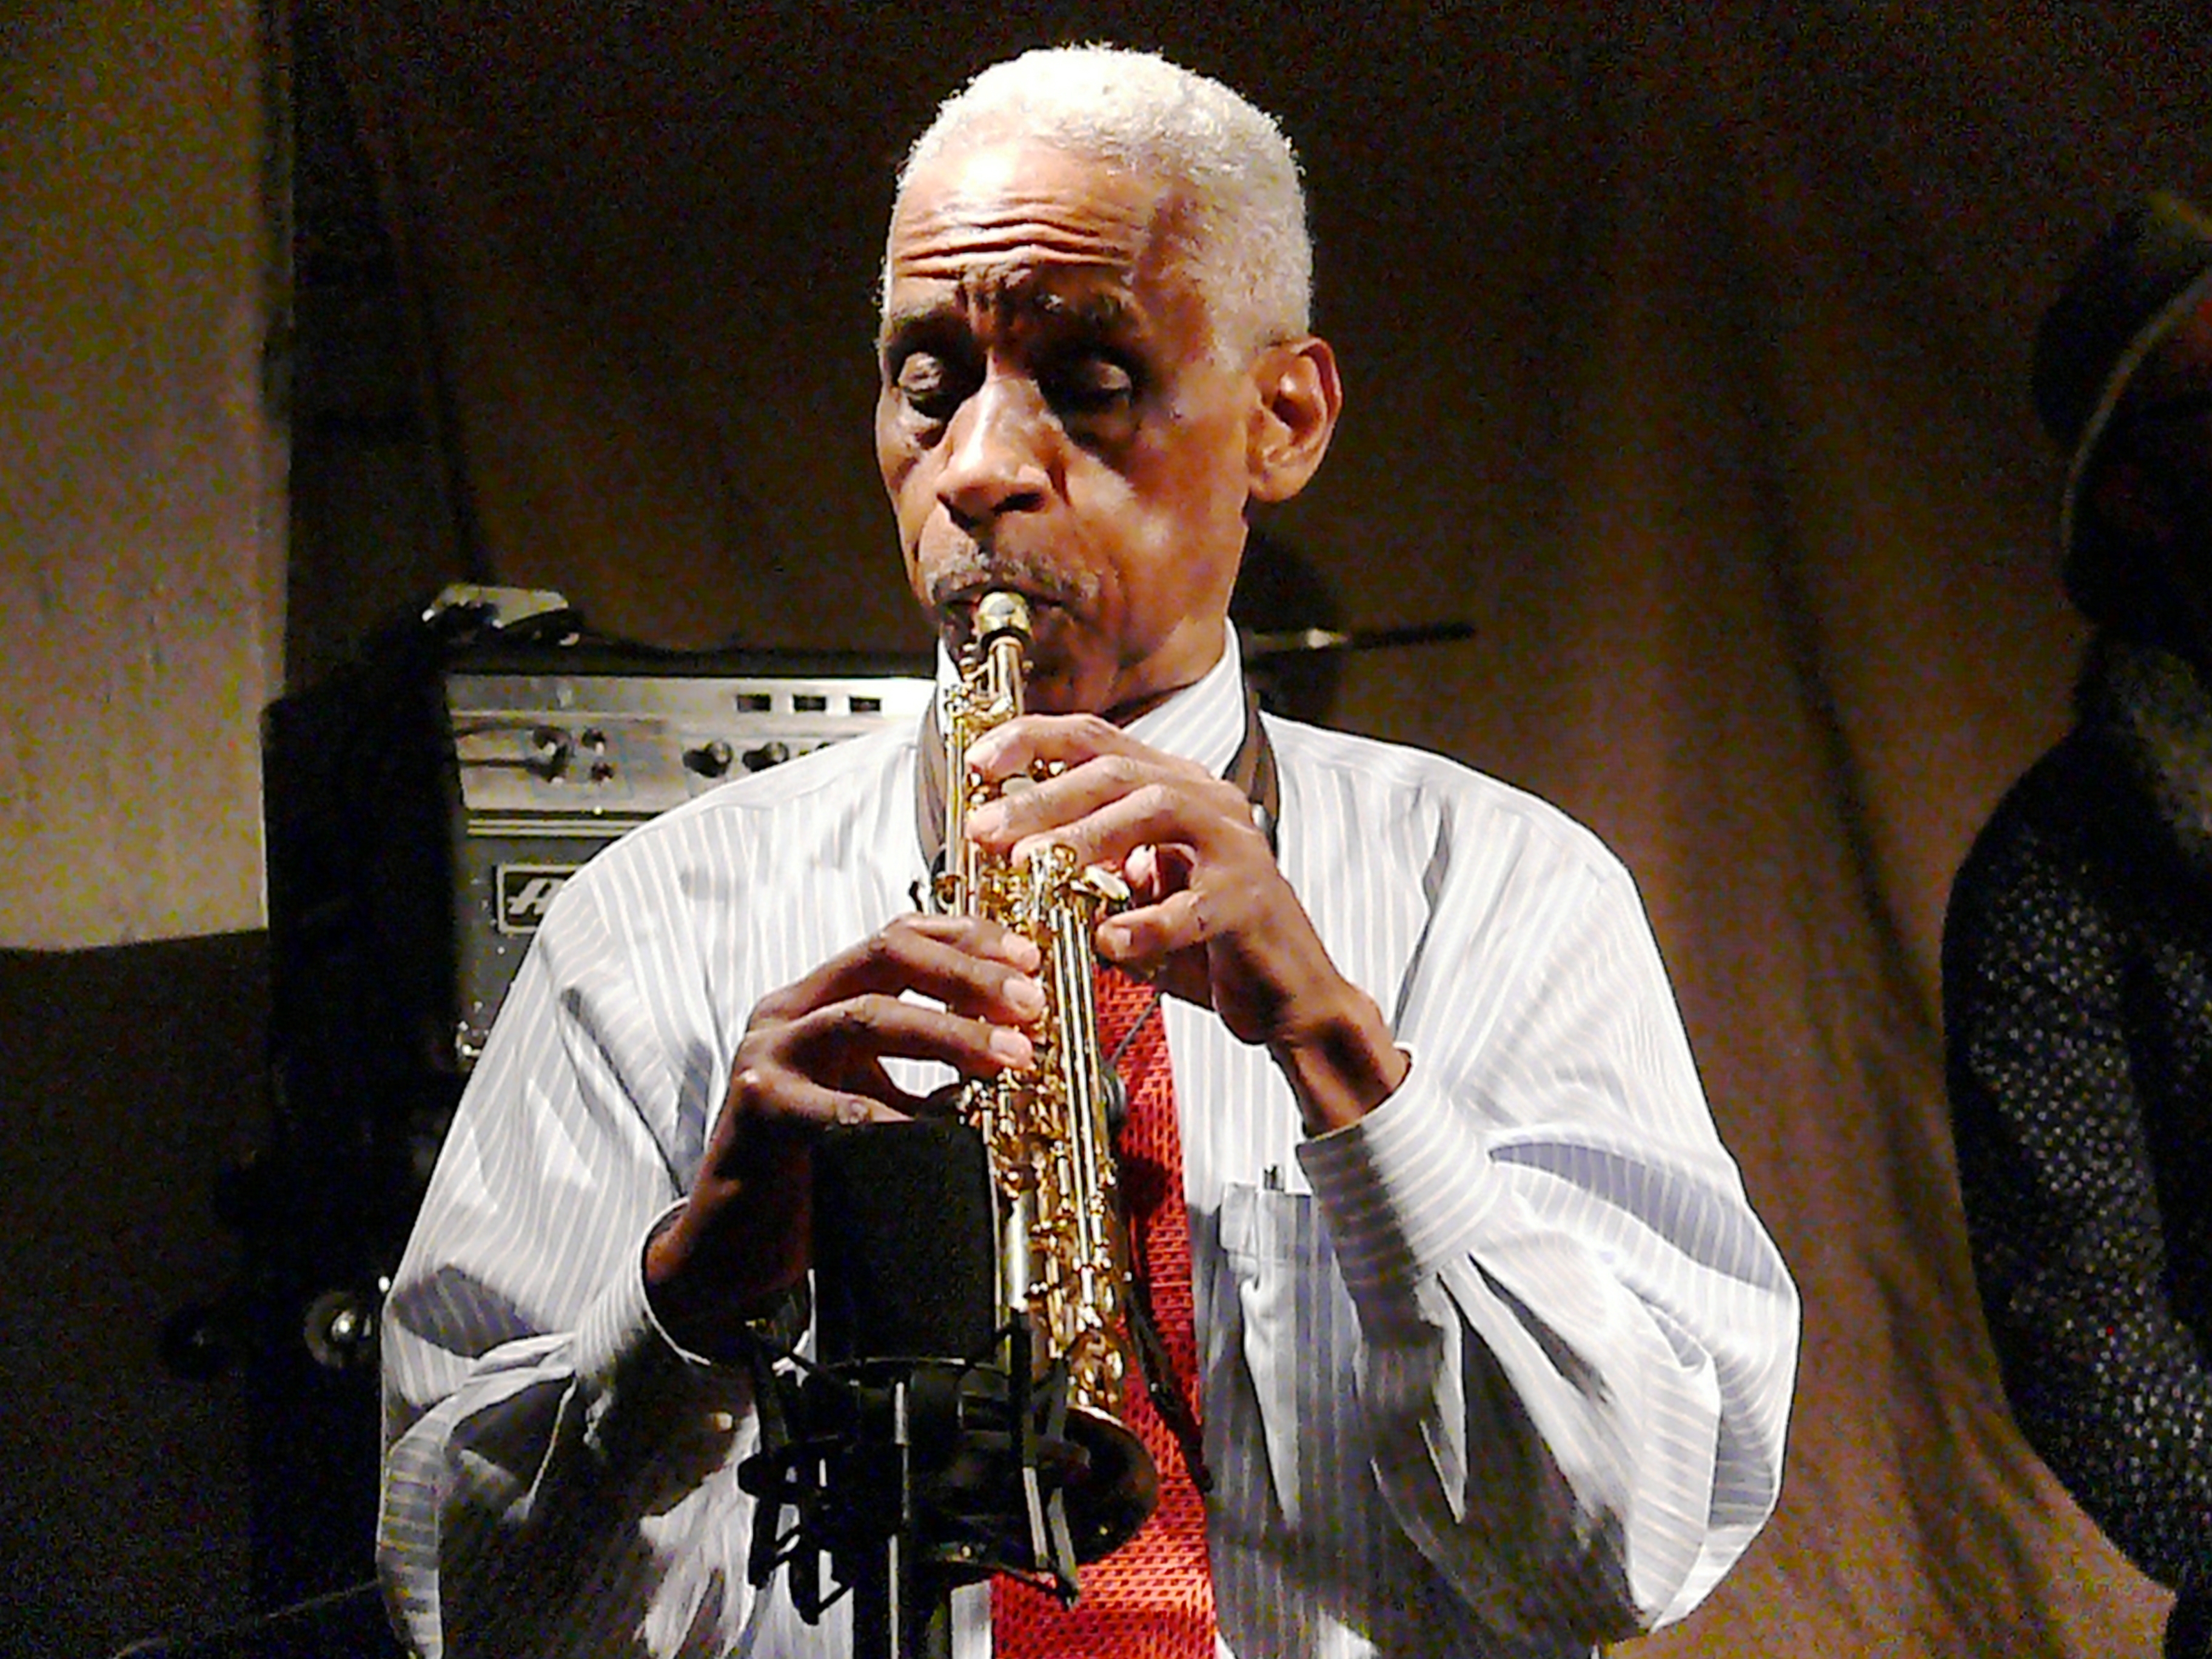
[(551, 748), (709, 760), (768, 755)]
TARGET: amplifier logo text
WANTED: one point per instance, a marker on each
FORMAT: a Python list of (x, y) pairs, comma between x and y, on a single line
[(522, 892)]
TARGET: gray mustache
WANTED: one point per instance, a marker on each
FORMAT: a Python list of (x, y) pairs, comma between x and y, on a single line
[(970, 571)]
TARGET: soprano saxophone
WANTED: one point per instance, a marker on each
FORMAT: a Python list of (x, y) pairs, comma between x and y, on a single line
[(1062, 1248)]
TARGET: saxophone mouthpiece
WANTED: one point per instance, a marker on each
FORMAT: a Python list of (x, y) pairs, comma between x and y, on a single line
[(1000, 612)]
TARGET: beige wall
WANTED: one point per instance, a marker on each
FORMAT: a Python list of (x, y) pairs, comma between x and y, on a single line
[(141, 527)]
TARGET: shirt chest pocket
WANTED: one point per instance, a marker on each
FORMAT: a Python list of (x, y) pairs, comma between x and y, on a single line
[(1287, 1364)]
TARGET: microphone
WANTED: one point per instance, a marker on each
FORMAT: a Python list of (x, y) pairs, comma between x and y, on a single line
[(905, 1264)]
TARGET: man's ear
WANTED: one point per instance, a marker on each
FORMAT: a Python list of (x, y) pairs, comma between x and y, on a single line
[(1299, 399)]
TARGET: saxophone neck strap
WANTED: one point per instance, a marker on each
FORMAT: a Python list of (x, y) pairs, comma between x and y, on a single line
[(1252, 769)]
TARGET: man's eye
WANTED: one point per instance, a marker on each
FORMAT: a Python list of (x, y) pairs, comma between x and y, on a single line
[(1091, 386), (927, 386)]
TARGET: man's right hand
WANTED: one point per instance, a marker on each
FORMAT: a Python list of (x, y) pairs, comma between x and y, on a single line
[(812, 1056)]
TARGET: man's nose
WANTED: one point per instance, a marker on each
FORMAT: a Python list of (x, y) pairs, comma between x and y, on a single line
[(998, 459)]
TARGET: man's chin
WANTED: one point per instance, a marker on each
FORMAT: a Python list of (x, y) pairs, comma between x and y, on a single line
[(1050, 689)]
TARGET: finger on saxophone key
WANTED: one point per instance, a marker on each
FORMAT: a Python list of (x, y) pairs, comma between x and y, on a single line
[(1025, 996)]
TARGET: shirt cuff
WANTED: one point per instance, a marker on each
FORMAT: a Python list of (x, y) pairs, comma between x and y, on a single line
[(629, 1369), (1403, 1190)]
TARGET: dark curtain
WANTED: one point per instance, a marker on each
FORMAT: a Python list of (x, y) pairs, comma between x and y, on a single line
[(1686, 351)]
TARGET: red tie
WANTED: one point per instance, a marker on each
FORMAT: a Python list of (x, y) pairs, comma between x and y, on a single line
[(1153, 1597)]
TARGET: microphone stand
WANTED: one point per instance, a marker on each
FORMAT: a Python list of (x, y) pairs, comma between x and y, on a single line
[(896, 1474), (901, 1609), (918, 1451)]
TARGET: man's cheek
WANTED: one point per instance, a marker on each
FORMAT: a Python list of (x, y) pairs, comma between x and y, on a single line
[(916, 500)]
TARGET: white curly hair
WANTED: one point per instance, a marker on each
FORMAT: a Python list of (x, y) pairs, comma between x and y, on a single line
[(1249, 250)]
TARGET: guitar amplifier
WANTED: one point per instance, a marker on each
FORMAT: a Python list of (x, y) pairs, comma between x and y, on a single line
[(423, 805), (551, 766)]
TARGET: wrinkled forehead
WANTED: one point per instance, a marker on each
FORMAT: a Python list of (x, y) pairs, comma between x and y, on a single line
[(1023, 224), (1015, 292), (992, 183)]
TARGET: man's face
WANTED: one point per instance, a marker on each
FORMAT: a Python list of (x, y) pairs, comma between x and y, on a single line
[(1054, 418)]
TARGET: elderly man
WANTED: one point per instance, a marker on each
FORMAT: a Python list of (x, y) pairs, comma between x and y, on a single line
[(2077, 967), (1490, 1354)]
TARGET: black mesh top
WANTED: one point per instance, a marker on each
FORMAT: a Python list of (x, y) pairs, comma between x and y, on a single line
[(2077, 988)]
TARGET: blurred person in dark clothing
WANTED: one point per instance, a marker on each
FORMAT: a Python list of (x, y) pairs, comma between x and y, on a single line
[(2077, 958)]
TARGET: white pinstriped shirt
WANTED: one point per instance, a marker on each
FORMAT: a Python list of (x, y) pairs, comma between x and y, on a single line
[(1501, 1370)]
